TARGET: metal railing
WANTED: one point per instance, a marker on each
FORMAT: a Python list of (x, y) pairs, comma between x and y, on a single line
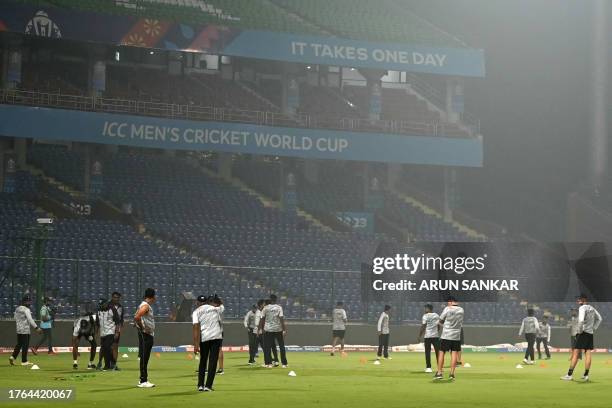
[(305, 294), (439, 99), (212, 113)]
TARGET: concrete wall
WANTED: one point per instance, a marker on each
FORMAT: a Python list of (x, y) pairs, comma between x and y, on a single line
[(308, 334)]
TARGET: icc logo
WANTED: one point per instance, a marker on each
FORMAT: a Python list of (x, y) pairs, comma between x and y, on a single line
[(41, 25)]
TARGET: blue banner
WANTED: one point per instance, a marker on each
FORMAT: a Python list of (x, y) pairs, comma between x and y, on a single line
[(356, 53), (53, 22), (108, 128)]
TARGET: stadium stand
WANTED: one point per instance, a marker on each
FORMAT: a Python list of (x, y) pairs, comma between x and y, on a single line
[(213, 220), (384, 20)]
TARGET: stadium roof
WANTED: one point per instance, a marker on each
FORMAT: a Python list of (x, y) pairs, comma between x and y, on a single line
[(380, 20)]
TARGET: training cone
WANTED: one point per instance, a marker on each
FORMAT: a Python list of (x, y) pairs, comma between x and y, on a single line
[(363, 360), (467, 365), (124, 356), (519, 366), (292, 374), (189, 356), (157, 355), (35, 367), (377, 362), (344, 354), (543, 365)]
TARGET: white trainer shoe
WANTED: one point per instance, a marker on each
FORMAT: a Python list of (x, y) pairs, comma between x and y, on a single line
[(146, 384)]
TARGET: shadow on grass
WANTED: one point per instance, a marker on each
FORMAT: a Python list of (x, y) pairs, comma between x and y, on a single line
[(176, 394), (131, 387)]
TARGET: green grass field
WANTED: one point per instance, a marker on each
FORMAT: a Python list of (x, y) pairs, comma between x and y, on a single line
[(351, 381)]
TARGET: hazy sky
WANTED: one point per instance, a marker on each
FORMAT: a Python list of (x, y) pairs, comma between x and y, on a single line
[(534, 101)]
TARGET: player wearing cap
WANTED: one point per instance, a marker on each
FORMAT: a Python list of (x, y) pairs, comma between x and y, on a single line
[(430, 335), (529, 327), (338, 327), (383, 334), (144, 320), (208, 339), (451, 320), (589, 320), (23, 322)]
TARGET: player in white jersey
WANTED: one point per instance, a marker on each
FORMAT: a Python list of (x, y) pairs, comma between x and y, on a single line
[(572, 325), (250, 324), (529, 327), (144, 321), (23, 322), (543, 338), (383, 334), (589, 320), (274, 329), (208, 337), (338, 327), (430, 335), (451, 321)]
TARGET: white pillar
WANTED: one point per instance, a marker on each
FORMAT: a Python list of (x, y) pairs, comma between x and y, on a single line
[(454, 99), (98, 79), (450, 193), (13, 71)]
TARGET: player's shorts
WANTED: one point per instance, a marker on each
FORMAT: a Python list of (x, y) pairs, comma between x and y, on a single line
[(338, 333), (450, 345), (584, 341)]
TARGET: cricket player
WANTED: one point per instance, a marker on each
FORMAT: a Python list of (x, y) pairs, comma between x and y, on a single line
[(274, 329), (529, 327), (251, 328), (572, 325), (451, 321), (589, 320), (430, 335), (383, 334), (543, 338), (23, 322), (208, 339), (144, 320), (339, 320)]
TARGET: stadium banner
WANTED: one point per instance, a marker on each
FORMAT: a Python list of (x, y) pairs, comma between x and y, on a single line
[(360, 221), (51, 22), (411, 348), (142, 131), (490, 272)]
